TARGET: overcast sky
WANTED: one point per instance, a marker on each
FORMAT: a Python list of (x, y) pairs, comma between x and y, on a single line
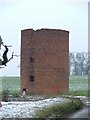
[(16, 15)]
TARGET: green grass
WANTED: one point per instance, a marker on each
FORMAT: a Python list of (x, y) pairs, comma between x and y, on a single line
[(80, 92), (11, 83), (59, 110), (78, 85)]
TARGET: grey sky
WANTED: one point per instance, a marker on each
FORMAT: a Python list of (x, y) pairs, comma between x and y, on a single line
[(36, 14)]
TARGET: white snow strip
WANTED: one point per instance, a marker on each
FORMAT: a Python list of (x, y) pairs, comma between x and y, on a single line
[(26, 109)]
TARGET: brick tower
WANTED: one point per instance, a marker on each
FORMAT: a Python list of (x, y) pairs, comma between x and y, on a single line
[(44, 61)]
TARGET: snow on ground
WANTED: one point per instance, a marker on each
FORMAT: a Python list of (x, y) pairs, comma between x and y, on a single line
[(26, 109)]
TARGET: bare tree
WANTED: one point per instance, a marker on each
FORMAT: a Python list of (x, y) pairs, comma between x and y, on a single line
[(79, 63), (71, 62), (5, 59)]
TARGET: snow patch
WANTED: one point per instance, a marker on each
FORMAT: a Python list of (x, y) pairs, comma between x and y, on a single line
[(27, 109)]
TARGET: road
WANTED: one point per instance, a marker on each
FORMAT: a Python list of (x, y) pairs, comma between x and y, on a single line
[(83, 113)]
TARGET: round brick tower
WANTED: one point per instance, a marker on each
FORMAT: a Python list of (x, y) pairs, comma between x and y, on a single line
[(44, 61)]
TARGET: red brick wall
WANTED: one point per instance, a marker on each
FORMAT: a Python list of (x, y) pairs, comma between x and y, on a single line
[(50, 50)]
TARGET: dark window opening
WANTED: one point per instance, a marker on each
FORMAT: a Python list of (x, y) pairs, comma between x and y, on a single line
[(32, 78), (31, 59)]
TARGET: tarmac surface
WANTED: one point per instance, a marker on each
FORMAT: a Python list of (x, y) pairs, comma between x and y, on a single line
[(84, 113)]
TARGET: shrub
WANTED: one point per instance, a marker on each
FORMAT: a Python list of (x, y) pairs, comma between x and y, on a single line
[(8, 94), (15, 93), (5, 95)]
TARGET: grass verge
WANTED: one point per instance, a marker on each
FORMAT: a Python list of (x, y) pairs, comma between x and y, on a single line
[(80, 93), (58, 111)]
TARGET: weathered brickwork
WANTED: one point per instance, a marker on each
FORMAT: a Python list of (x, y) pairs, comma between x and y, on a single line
[(44, 61)]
